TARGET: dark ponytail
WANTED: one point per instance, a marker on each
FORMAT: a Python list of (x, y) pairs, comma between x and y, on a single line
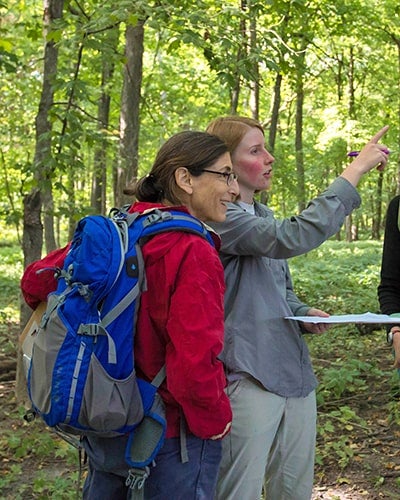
[(148, 189)]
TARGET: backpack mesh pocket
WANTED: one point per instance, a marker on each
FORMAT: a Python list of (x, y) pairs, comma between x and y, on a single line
[(109, 403)]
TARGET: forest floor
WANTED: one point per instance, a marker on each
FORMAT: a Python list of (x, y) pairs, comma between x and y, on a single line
[(372, 471)]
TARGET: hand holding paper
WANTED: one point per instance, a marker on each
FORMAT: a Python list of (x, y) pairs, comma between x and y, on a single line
[(315, 327), (367, 317)]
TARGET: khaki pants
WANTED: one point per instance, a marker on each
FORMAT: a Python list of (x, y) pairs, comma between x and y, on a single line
[(272, 440)]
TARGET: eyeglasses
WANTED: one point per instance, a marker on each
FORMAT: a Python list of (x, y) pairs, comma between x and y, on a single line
[(229, 176)]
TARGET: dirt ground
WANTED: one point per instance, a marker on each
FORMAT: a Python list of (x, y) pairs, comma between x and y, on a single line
[(372, 473), (374, 470)]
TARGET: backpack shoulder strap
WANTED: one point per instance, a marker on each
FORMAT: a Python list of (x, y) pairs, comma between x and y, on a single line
[(156, 221), (159, 221)]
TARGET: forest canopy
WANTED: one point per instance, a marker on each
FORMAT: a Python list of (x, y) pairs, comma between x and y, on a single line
[(89, 91)]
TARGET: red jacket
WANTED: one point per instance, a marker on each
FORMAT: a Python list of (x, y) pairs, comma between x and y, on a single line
[(180, 323)]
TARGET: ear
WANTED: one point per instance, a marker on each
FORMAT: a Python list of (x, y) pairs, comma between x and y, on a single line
[(184, 180)]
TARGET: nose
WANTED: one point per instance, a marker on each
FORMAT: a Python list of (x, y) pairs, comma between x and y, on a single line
[(233, 188), (268, 157)]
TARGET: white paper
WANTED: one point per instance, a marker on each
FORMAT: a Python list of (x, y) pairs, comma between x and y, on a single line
[(367, 317)]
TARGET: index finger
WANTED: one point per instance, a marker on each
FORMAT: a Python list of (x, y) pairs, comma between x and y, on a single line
[(380, 134)]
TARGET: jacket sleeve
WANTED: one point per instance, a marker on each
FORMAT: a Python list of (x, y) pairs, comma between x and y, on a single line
[(38, 278), (246, 234), (195, 375), (389, 286)]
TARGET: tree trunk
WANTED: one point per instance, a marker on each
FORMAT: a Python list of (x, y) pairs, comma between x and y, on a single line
[(276, 104), (99, 180), (255, 84), (32, 239), (48, 218), (34, 200), (70, 189), (397, 41), (339, 76), (301, 189), (377, 213), (352, 113), (241, 54), (348, 225), (352, 99), (127, 166)]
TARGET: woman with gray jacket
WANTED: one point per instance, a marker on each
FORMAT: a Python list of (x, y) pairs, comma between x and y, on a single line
[(271, 383)]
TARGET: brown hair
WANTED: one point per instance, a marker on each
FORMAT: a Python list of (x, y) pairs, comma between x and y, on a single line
[(190, 149), (231, 129)]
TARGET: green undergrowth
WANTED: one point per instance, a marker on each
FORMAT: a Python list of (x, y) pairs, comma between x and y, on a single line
[(339, 277), (36, 463), (352, 362)]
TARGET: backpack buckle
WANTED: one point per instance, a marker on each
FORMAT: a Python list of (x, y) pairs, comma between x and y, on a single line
[(156, 216), (137, 477), (30, 415)]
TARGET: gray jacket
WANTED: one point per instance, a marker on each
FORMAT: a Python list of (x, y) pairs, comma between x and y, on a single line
[(259, 292)]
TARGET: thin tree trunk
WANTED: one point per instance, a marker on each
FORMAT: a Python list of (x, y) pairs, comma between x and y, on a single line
[(352, 113), (377, 213), (352, 99), (127, 166), (48, 217), (301, 190), (348, 227), (276, 104), (99, 180), (32, 239), (34, 234), (397, 41), (255, 84), (339, 77), (70, 189), (241, 54)]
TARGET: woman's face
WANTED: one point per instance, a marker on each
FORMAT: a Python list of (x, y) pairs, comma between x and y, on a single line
[(253, 164), (211, 193)]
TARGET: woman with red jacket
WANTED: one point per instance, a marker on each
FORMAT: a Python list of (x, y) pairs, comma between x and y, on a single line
[(180, 324)]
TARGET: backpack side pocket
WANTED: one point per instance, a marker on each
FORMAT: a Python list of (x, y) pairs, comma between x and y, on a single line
[(109, 403)]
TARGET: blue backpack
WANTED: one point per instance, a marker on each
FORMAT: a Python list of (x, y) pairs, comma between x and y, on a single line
[(81, 376)]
